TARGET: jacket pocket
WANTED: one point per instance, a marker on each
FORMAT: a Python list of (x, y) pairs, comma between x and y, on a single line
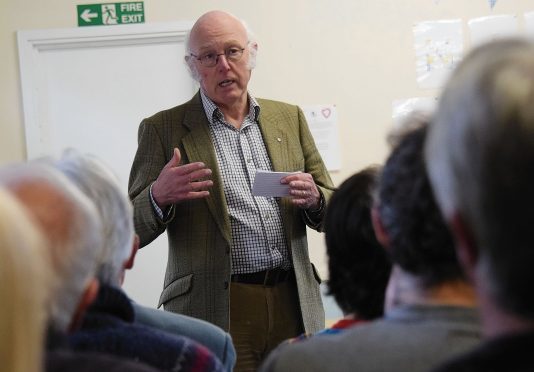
[(177, 287)]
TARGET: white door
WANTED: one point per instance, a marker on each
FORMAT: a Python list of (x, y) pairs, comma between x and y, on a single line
[(89, 88)]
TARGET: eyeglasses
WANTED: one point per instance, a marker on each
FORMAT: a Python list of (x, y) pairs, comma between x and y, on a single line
[(210, 59)]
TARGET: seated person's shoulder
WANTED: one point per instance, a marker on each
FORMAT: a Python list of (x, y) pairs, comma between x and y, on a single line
[(214, 338)]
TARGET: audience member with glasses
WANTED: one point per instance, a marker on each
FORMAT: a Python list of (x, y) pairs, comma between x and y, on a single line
[(236, 260)]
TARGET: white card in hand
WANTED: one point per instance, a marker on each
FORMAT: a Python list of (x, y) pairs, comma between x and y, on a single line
[(268, 184)]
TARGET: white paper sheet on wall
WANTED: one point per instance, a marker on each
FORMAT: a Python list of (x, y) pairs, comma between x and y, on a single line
[(322, 120), (486, 29), (438, 49)]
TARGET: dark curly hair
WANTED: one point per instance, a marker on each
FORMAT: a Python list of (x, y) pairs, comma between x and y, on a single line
[(419, 240), (358, 265)]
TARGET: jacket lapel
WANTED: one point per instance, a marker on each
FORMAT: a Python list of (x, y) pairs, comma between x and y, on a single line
[(276, 142), (199, 147), (274, 138)]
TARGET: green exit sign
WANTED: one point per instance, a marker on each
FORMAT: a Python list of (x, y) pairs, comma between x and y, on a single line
[(111, 14)]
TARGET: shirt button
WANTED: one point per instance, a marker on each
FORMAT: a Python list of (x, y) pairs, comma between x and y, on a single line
[(249, 160)]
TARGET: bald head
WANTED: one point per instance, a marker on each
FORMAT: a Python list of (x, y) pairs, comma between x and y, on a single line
[(69, 221), (213, 24), (50, 209)]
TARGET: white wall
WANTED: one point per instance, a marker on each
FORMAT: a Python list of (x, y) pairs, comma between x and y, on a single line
[(358, 55)]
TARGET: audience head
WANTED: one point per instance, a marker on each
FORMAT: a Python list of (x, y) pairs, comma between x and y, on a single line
[(480, 158), (358, 266), (99, 183), (25, 285), (415, 233), (70, 224)]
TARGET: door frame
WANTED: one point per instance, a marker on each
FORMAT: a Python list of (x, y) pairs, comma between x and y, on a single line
[(32, 43)]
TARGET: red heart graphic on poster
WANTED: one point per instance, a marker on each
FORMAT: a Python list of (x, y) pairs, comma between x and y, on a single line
[(326, 112)]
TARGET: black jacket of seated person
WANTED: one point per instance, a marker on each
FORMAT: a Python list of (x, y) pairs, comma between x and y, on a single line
[(510, 353), (109, 327), (59, 357), (79, 361)]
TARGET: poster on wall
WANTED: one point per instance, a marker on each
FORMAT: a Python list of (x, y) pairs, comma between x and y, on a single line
[(322, 120), (438, 49), (486, 29)]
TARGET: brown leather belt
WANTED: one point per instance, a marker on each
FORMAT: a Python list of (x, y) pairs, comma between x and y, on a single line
[(267, 278)]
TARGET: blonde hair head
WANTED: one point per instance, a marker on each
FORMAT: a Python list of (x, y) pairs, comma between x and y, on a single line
[(25, 283)]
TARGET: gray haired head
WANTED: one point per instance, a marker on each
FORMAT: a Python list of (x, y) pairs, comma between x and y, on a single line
[(100, 184), (480, 159)]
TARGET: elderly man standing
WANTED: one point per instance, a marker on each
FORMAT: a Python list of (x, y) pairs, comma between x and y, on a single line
[(480, 157), (236, 260)]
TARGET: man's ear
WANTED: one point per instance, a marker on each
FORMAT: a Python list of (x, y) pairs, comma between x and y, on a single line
[(135, 247), (380, 231), (88, 297), (466, 247)]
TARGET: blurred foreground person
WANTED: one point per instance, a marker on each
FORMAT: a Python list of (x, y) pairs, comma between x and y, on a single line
[(358, 266), (109, 324), (480, 157), (69, 222), (430, 312)]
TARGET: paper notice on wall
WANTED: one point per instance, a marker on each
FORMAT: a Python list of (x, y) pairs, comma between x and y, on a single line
[(322, 120), (486, 29), (438, 49)]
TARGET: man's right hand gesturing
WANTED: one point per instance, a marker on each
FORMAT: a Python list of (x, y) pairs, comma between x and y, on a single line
[(177, 182)]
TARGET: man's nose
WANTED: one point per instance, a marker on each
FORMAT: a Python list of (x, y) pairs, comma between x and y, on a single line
[(222, 62)]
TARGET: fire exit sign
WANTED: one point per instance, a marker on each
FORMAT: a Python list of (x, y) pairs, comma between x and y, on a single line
[(111, 14)]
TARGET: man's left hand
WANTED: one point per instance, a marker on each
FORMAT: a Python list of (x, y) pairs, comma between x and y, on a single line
[(303, 191)]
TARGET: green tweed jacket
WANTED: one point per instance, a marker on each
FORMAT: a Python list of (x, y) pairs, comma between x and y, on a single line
[(199, 233)]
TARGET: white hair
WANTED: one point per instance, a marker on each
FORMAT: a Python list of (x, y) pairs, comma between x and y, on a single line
[(251, 47), (69, 221), (480, 157), (100, 184), (25, 288), (485, 87)]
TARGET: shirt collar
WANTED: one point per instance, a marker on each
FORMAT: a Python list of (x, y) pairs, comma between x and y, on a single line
[(214, 113)]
